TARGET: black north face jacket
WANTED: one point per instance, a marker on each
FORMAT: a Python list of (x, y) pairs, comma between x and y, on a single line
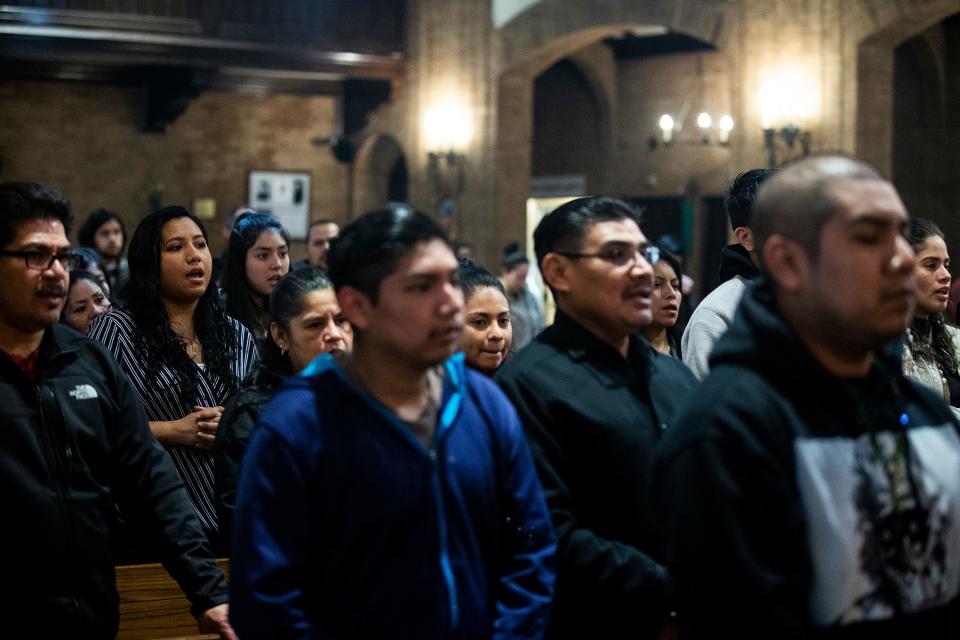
[(72, 447)]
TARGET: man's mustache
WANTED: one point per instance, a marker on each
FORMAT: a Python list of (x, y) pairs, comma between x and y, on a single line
[(52, 289)]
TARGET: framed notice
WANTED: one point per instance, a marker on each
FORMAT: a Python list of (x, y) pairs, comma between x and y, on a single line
[(285, 195)]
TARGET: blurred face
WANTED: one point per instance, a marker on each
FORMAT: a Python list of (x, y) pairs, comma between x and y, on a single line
[(318, 243), (665, 300), (487, 334), (185, 262), (267, 262), (31, 299), (515, 279), (932, 272), (86, 302), (320, 328), (861, 285), (418, 318), (109, 239), (609, 293)]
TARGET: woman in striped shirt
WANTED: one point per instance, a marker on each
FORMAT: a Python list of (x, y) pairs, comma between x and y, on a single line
[(181, 351)]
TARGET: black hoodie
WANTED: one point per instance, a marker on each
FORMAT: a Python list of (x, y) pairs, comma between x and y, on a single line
[(735, 261), (777, 515)]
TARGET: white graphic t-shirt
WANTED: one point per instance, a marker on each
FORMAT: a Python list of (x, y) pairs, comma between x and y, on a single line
[(883, 514)]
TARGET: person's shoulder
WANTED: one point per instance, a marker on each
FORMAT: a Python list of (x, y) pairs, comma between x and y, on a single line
[(733, 404), (927, 403), (954, 334), (243, 334), (92, 354), (117, 318), (723, 300), (533, 361), (483, 387), (672, 368), (292, 414)]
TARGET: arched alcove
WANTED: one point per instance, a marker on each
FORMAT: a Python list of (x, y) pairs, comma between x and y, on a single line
[(545, 34), (380, 174), (569, 126), (875, 77)]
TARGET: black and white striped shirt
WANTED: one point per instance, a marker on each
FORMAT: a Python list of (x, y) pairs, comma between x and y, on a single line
[(160, 397)]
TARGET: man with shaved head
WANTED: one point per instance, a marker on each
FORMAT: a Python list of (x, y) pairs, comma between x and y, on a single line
[(810, 490)]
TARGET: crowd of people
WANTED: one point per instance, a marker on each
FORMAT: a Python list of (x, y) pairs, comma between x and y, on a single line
[(387, 441)]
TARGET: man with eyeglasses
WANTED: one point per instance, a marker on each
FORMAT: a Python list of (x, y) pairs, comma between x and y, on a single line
[(594, 399), (74, 441)]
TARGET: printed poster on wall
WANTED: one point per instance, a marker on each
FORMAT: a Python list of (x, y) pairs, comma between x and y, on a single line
[(285, 195)]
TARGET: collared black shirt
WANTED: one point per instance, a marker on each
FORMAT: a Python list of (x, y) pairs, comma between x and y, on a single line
[(594, 420)]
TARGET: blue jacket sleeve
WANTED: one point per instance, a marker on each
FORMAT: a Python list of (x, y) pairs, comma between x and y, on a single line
[(525, 590), (271, 538)]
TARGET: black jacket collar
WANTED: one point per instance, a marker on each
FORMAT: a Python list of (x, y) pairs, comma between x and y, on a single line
[(581, 345), (735, 261)]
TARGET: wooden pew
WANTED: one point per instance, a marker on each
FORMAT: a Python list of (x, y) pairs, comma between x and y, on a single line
[(152, 606)]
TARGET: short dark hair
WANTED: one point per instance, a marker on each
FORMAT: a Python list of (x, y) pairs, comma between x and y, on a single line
[(89, 256), (513, 257), (286, 302), (738, 203), (86, 234), (24, 201), (369, 248), (474, 277), (317, 223), (564, 228), (244, 234), (801, 197)]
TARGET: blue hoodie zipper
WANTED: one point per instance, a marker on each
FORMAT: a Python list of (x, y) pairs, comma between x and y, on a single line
[(453, 366)]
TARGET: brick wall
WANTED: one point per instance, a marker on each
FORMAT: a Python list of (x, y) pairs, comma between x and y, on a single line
[(85, 140)]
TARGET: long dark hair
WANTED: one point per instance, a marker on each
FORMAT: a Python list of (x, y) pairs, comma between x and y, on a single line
[(675, 332), (939, 348), (240, 302), (161, 346), (286, 302)]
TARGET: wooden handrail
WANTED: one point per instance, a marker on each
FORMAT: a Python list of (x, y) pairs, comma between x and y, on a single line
[(152, 606)]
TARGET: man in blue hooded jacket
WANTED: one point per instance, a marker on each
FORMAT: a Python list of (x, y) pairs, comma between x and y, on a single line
[(390, 492)]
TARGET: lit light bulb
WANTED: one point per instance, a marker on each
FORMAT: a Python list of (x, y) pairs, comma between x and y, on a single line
[(726, 126), (447, 127), (704, 121), (666, 126)]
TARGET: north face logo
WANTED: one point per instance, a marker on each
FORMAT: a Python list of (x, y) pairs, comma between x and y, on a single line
[(84, 392)]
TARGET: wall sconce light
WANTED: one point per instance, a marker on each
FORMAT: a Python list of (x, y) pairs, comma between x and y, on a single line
[(705, 123), (666, 128), (785, 103), (447, 130)]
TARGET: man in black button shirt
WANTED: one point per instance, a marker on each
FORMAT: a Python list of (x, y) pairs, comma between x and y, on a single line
[(594, 399)]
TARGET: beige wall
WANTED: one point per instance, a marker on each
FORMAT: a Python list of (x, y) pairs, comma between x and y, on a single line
[(84, 139)]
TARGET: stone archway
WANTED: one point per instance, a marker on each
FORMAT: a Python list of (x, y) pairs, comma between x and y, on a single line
[(539, 37), (875, 75), (377, 162)]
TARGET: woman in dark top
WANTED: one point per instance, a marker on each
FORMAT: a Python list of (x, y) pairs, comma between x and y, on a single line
[(257, 258), (183, 354), (665, 303), (305, 321), (932, 354)]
